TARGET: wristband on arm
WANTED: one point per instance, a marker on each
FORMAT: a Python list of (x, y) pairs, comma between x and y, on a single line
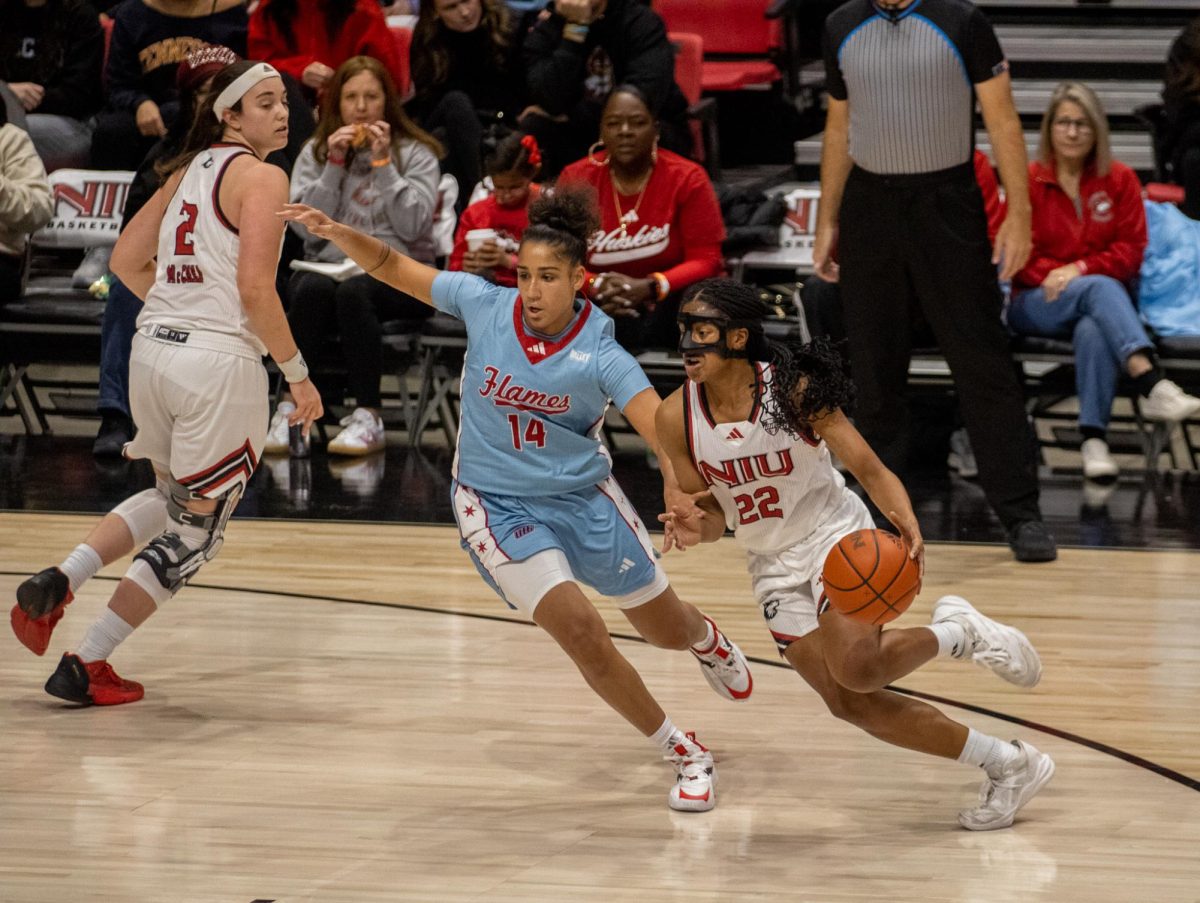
[(294, 370)]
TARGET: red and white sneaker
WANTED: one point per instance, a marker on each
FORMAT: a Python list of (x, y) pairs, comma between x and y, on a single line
[(40, 603), (695, 787), (91, 683), (725, 668)]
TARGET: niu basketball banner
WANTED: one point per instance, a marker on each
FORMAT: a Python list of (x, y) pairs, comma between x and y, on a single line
[(87, 208), (799, 226)]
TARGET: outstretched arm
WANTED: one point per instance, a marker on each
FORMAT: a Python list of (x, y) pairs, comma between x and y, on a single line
[(377, 258), (700, 518)]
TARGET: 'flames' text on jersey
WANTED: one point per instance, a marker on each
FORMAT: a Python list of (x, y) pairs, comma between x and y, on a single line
[(532, 405)]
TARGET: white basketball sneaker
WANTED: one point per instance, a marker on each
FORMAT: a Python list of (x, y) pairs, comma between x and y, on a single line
[(1169, 403), (1003, 649), (725, 668), (1001, 797), (277, 432), (695, 787), (363, 434)]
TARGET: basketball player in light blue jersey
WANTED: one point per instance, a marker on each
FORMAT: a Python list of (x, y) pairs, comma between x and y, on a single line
[(533, 492)]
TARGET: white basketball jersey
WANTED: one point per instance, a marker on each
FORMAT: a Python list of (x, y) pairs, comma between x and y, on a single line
[(195, 294), (775, 489)]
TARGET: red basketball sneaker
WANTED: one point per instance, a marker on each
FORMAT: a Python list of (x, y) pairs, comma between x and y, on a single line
[(724, 667), (40, 603), (695, 787), (91, 683)]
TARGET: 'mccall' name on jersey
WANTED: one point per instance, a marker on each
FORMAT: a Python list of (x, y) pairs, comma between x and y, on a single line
[(179, 274)]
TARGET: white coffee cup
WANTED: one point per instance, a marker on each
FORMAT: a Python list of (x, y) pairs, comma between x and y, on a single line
[(477, 238)]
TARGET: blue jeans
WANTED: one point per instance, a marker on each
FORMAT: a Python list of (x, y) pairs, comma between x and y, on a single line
[(1096, 314), (116, 344)]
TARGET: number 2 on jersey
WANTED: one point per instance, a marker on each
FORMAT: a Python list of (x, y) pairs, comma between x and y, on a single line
[(764, 498), (535, 432), (183, 234)]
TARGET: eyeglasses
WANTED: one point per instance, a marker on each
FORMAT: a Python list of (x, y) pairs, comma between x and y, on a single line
[(1080, 125)]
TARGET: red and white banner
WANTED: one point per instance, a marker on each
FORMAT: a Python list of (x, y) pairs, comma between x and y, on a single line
[(88, 205)]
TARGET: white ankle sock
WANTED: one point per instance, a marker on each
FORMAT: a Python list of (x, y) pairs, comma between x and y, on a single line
[(107, 632), (710, 638), (987, 752), (667, 736), (81, 566), (950, 636)]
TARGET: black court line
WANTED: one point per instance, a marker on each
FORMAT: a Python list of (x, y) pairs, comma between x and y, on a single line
[(1161, 770)]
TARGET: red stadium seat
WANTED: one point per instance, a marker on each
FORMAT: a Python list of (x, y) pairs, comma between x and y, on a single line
[(702, 112), (738, 40)]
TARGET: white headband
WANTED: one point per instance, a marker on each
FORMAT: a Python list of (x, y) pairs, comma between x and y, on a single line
[(240, 85)]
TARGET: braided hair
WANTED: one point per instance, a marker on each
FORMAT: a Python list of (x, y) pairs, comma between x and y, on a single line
[(809, 379)]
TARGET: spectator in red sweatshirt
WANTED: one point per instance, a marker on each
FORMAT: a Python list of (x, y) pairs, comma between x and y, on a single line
[(660, 223), (309, 39), (511, 164), (1089, 232)]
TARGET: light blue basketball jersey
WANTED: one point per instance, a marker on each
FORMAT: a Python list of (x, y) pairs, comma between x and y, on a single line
[(532, 406)]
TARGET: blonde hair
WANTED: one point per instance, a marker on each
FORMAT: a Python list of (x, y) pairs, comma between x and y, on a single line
[(1085, 98)]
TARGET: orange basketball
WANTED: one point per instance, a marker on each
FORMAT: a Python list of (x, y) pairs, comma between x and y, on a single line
[(869, 577)]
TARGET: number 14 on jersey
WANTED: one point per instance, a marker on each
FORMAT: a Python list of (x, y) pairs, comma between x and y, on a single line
[(533, 433)]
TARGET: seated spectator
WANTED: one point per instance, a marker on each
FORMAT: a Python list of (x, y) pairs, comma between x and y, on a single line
[(512, 165), (367, 165), (577, 55), (51, 52), (150, 39), (309, 39), (660, 224), (1089, 233), (465, 78), (193, 78), (26, 203), (1181, 110)]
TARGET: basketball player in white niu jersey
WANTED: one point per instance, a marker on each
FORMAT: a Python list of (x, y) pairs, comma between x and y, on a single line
[(750, 433), (202, 254)]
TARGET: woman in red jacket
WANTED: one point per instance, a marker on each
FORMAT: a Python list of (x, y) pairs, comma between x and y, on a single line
[(1089, 232), (308, 39), (660, 224)]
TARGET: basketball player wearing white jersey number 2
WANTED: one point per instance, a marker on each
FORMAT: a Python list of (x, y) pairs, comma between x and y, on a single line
[(750, 433), (533, 493), (202, 254)]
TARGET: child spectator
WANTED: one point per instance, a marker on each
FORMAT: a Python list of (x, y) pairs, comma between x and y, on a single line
[(512, 165)]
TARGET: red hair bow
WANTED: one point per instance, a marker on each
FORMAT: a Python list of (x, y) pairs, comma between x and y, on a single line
[(530, 144)]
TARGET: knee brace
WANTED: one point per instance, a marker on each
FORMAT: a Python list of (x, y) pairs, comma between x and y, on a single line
[(190, 541), (145, 514)]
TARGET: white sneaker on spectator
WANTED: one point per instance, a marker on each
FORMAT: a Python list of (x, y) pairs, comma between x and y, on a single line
[(695, 787), (1002, 796), (1098, 464), (362, 435), (277, 432), (93, 266), (1002, 649), (1168, 402), (962, 457)]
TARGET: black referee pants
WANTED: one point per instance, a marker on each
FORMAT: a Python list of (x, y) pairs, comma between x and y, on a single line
[(916, 246)]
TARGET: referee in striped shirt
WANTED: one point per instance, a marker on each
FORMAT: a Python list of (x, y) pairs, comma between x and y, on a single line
[(900, 205)]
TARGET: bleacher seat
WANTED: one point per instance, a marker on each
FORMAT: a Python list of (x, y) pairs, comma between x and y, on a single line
[(738, 39), (702, 111), (403, 38)]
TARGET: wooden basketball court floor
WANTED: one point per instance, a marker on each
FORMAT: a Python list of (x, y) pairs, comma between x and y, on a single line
[(343, 712)]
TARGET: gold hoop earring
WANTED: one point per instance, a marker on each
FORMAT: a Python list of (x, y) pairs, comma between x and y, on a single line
[(592, 155), (654, 152)]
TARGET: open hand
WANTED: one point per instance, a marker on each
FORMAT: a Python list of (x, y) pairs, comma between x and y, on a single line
[(310, 218)]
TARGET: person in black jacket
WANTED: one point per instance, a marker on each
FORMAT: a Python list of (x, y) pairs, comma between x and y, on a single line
[(575, 56), (466, 77), (50, 59), (1181, 112)]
